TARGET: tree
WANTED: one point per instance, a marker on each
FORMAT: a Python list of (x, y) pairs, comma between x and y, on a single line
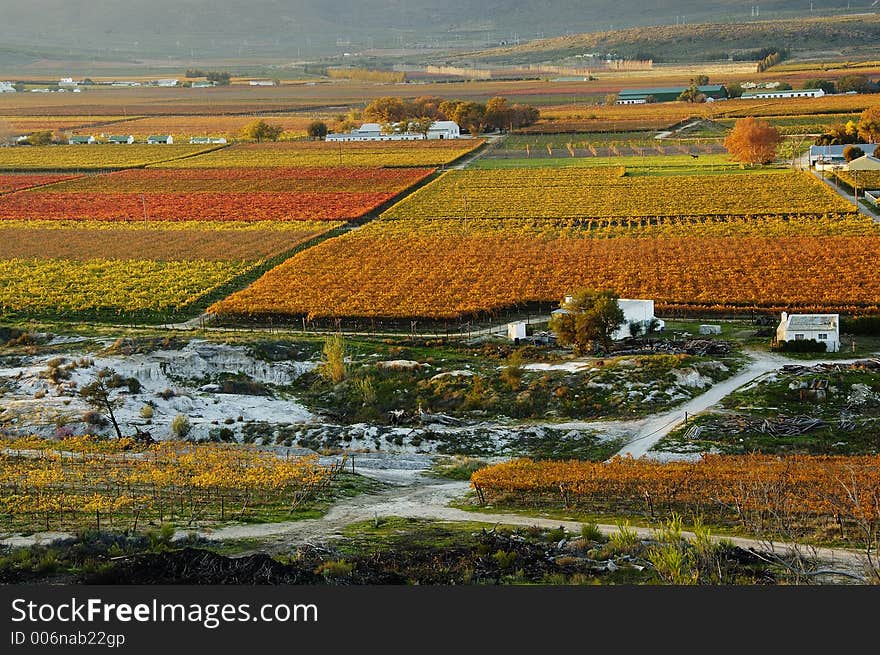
[(471, 116), (387, 109), (317, 129), (428, 106), (838, 134), (524, 115), (588, 317), (692, 94), (857, 83), (700, 80), (41, 138), (333, 367), (869, 124), (261, 131), (498, 113), (421, 125), (219, 78), (98, 395), (852, 152), (877, 152), (828, 86), (753, 141)]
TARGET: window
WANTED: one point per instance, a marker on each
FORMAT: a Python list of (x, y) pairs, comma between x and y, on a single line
[(798, 337), (823, 337)]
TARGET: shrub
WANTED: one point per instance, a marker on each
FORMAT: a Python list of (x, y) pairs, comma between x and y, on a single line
[(146, 411), (591, 532), (180, 426), (333, 366), (338, 568), (94, 418), (802, 346)]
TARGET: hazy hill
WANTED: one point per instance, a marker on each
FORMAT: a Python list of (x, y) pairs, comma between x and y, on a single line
[(247, 28), (845, 35)]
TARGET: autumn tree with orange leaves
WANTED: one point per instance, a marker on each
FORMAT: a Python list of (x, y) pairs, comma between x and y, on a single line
[(753, 141)]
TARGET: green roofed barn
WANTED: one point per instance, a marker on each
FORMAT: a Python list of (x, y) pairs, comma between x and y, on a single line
[(667, 94)]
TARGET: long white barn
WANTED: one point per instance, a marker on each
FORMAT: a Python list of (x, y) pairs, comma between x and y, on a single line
[(373, 132)]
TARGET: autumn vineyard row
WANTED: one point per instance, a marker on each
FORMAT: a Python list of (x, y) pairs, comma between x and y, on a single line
[(796, 493), (75, 484)]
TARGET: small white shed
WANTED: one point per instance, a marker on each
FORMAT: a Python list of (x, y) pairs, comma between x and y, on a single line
[(516, 330), (160, 139), (636, 311), (824, 328)]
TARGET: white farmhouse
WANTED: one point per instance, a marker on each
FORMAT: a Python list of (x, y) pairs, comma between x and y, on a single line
[(639, 312), (166, 82), (207, 140), (160, 139), (261, 83), (7, 87), (121, 139), (81, 140), (373, 132), (823, 328), (864, 163), (782, 93)]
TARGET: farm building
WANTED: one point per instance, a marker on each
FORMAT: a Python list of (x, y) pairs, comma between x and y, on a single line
[(207, 140), (162, 139), (667, 94), (81, 139), (119, 139), (261, 83), (865, 163), (7, 87), (830, 156), (639, 312), (373, 132), (823, 328), (166, 82), (202, 85), (766, 94)]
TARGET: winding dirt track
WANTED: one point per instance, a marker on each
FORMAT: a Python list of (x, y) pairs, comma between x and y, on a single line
[(428, 498)]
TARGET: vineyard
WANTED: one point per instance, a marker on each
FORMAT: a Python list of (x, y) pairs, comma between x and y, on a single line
[(448, 269), (571, 193), (94, 157), (77, 483), (81, 268), (324, 153), (9, 183), (477, 241), (215, 195), (860, 179), (205, 125), (800, 495)]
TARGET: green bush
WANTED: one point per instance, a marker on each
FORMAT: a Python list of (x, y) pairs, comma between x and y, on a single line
[(180, 426), (802, 346)]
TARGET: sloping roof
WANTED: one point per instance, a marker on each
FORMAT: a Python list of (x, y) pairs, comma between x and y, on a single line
[(444, 125), (865, 162), (756, 92), (837, 150), (708, 88), (81, 138), (123, 137), (159, 137), (813, 321)]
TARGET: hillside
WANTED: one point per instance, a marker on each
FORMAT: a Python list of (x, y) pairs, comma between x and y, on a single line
[(268, 28), (707, 41)]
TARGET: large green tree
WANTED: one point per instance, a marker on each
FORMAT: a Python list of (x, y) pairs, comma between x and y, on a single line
[(589, 317)]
